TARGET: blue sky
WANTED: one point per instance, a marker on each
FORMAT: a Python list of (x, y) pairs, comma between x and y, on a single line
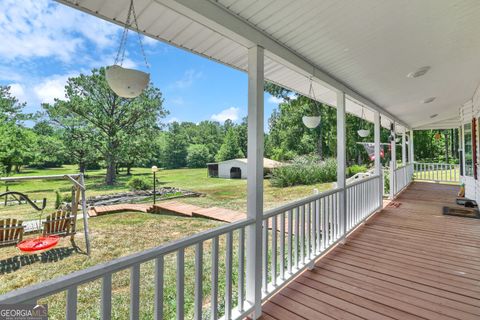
[(44, 43)]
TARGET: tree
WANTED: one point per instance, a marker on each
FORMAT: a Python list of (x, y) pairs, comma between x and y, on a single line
[(136, 151), (197, 156), (11, 110), (230, 148), (16, 142), (107, 118), (176, 147), (15, 147)]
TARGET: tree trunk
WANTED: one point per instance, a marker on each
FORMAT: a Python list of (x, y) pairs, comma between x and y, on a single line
[(129, 167), (320, 144), (111, 171), (81, 167)]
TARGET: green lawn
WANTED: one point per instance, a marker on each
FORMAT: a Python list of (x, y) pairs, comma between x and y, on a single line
[(226, 193), (120, 234)]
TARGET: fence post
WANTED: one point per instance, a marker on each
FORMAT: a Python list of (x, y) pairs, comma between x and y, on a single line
[(255, 179)]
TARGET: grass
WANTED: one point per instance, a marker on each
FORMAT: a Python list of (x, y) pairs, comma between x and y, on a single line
[(120, 234), (231, 194)]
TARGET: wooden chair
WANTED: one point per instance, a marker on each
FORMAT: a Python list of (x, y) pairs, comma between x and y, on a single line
[(60, 223), (11, 232)]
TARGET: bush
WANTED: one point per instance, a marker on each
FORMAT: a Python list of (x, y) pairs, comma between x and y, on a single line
[(386, 179), (197, 156), (58, 199), (353, 170), (137, 183), (305, 170), (67, 197)]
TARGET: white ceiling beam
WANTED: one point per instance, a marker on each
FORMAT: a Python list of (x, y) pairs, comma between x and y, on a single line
[(232, 26)]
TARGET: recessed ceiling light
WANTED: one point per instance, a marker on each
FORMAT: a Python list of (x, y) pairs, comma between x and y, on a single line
[(418, 73), (433, 115), (428, 100)]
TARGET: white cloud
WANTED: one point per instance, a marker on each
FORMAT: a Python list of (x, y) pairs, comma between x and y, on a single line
[(275, 100), (17, 90), (51, 88), (150, 41), (41, 28), (188, 79), (172, 120), (231, 113)]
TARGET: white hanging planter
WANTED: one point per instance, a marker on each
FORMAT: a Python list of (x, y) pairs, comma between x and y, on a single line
[(363, 133), (311, 121), (127, 83)]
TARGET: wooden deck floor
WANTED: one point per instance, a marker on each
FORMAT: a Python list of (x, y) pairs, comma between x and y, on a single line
[(409, 262)]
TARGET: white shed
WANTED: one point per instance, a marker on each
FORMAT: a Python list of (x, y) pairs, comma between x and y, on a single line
[(237, 168)]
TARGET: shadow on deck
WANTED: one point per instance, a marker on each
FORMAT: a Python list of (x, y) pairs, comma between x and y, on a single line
[(408, 262)]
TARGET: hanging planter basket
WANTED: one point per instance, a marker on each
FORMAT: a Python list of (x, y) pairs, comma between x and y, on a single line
[(311, 122), (126, 83), (363, 133)]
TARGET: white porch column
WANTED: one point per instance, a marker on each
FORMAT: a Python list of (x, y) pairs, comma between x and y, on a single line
[(378, 162), (404, 148), (393, 163), (255, 179), (341, 159), (410, 145)]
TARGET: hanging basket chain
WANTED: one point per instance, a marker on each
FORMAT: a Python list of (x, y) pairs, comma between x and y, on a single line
[(123, 41), (139, 37), (311, 92)]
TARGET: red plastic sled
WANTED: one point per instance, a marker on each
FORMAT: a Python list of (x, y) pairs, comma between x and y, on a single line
[(37, 244)]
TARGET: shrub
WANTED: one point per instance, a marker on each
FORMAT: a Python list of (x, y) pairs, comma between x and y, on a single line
[(386, 181), (197, 156), (58, 199), (353, 170), (137, 183), (67, 197), (305, 170)]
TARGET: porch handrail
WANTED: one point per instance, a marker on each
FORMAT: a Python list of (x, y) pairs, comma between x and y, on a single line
[(293, 237), (439, 172)]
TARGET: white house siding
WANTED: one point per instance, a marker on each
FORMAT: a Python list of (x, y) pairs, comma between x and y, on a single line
[(469, 110)]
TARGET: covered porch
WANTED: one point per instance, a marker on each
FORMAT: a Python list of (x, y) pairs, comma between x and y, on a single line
[(401, 262), (406, 262)]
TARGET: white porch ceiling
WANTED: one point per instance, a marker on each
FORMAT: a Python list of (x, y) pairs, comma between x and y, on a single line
[(364, 47)]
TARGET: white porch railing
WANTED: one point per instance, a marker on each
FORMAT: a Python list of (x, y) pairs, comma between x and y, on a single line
[(400, 178), (294, 236), (440, 172)]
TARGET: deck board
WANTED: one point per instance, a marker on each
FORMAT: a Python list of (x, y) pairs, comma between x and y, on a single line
[(408, 262)]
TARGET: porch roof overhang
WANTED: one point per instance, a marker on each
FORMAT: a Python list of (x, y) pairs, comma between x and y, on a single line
[(365, 49)]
